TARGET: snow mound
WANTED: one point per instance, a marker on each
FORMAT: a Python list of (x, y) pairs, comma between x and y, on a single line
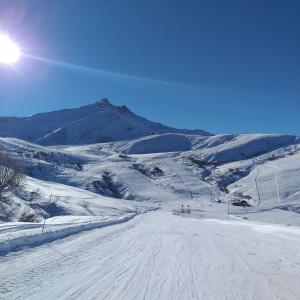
[(158, 144), (32, 235), (232, 148)]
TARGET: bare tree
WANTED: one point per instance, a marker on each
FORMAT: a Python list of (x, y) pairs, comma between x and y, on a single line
[(11, 175)]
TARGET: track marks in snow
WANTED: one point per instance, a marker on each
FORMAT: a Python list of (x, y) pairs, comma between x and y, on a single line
[(158, 256)]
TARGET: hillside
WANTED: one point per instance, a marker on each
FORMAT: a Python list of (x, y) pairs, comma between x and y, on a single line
[(167, 168)]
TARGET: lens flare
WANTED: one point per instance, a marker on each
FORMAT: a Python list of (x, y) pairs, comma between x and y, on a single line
[(9, 51)]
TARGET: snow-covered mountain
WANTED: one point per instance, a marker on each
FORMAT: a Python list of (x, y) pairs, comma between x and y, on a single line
[(242, 230), (96, 123), (168, 168), (111, 153)]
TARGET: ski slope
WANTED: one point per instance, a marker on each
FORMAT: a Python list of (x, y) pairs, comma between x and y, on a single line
[(160, 256), (219, 251)]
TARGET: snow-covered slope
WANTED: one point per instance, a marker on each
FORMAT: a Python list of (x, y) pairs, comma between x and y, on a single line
[(101, 152), (36, 126), (95, 123), (172, 168), (226, 148), (157, 144), (160, 256), (220, 250)]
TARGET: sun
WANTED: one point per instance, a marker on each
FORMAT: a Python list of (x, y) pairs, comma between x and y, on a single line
[(9, 51)]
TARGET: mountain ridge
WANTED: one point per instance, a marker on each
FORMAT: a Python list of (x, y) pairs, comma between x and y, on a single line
[(93, 123)]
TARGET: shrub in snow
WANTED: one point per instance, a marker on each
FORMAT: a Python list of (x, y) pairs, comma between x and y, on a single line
[(28, 215), (11, 176)]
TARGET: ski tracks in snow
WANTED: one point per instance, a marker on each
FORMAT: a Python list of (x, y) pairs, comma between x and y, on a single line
[(158, 256)]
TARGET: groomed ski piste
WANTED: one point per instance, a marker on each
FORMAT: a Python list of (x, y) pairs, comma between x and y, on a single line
[(111, 221), (160, 256)]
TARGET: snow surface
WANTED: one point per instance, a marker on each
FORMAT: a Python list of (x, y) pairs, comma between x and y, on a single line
[(83, 192), (160, 256), (158, 144), (168, 168)]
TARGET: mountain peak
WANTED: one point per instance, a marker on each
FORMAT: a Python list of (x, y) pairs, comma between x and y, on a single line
[(105, 105), (104, 102)]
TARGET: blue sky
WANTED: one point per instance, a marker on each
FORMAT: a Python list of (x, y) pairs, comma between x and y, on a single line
[(223, 66)]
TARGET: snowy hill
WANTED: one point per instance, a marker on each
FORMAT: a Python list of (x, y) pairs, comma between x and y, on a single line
[(157, 144), (95, 123), (168, 168)]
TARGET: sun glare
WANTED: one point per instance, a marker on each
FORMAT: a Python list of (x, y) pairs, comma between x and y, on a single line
[(9, 51)]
